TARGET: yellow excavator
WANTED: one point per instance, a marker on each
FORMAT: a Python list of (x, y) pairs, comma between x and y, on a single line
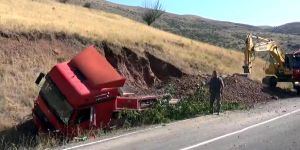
[(282, 67)]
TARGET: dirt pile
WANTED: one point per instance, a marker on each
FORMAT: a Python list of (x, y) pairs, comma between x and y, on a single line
[(242, 89), (238, 89), (180, 87)]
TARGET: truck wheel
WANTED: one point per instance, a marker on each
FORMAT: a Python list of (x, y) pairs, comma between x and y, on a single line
[(298, 90), (270, 81), (273, 81)]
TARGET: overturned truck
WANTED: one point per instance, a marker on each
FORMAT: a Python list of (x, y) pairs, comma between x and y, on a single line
[(81, 94)]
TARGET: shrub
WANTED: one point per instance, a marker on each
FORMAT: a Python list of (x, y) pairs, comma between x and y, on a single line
[(163, 112), (63, 1), (153, 10), (87, 5)]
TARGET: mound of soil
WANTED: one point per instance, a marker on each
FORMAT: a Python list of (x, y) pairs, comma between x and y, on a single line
[(242, 89), (239, 88), (180, 87)]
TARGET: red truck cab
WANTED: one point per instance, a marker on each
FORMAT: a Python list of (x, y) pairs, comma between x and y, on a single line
[(82, 93)]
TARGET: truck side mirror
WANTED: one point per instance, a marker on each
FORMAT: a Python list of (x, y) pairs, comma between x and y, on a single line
[(39, 78)]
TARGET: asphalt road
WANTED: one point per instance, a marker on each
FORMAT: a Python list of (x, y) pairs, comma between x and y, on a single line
[(273, 126)]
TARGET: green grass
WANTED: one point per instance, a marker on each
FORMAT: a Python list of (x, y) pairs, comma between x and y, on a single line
[(163, 112), (233, 106)]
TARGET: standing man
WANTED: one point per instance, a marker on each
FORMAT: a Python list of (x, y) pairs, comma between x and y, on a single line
[(216, 86)]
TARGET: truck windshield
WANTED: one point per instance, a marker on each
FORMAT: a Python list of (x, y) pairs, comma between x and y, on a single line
[(56, 101)]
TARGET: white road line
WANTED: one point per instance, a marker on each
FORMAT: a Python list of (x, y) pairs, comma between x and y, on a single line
[(112, 138), (123, 135), (239, 131)]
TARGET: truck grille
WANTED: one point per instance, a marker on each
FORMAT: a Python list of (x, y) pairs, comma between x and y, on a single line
[(44, 120)]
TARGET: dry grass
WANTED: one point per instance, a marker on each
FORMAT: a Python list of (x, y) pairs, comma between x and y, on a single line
[(44, 16), (19, 69)]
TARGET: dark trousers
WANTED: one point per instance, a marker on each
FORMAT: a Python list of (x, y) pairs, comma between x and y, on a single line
[(213, 98)]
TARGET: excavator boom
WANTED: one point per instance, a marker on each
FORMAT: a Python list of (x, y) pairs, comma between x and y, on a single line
[(262, 45)]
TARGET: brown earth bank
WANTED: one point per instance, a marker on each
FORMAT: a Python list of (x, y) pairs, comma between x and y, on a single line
[(24, 55)]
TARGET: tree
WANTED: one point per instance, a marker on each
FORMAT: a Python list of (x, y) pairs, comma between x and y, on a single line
[(153, 10)]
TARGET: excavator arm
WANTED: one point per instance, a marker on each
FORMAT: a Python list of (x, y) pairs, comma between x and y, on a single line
[(282, 67), (262, 45)]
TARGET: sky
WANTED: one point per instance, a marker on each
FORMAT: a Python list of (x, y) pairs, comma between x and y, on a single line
[(253, 12)]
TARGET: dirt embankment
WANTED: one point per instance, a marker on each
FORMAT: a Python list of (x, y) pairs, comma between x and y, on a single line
[(24, 55), (143, 71), (148, 74)]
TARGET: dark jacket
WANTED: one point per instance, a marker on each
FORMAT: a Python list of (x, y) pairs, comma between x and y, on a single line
[(216, 85)]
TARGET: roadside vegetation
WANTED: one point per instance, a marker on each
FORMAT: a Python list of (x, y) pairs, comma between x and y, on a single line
[(164, 111)]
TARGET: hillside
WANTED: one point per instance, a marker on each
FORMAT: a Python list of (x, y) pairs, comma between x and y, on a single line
[(289, 28), (220, 33), (34, 40)]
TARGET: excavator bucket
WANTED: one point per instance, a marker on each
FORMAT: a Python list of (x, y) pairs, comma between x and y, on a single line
[(246, 69)]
